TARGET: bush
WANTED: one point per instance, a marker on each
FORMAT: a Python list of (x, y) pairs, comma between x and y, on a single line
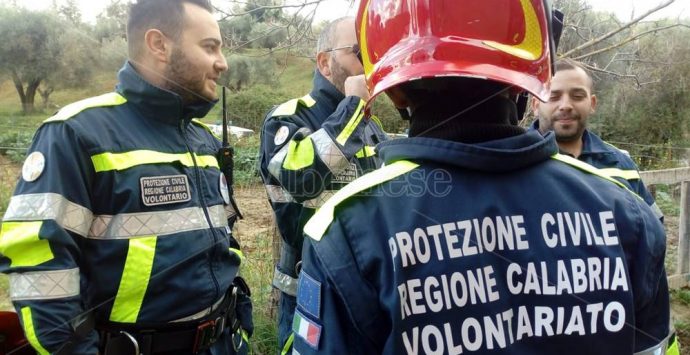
[(113, 53), (247, 161), (15, 144), (247, 108), (244, 72)]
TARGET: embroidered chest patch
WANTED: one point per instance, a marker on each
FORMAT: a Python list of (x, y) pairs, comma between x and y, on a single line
[(165, 190), (348, 175)]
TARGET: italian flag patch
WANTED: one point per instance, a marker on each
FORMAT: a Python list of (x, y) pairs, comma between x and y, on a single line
[(306, 329)]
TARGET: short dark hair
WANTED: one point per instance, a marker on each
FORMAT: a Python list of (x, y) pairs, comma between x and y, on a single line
[(164, 15), (569, 64), (328, 35)]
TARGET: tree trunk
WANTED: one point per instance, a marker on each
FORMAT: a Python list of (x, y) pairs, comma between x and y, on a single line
[(45, 96), (19, 86), (26, 97), (28, 104)]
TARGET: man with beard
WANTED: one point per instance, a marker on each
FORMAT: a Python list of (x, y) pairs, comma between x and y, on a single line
[(570, 104), (118, 237), (311, 147)]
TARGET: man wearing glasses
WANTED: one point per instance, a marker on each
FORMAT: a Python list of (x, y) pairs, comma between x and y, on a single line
[(311, 147)]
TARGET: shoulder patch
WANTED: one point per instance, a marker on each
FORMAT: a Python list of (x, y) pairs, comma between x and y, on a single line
[(71, 110), (307, 329), (33, 166), (317, 226), (309, 294), (290, 107), (282, 135)]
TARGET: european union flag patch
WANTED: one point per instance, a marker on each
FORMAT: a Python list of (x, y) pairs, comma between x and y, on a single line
[(309, 295)]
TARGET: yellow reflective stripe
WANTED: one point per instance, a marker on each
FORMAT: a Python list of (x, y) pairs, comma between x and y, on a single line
[(290, 107), (288, 344), (352, 124), (20, 242), (367, 151), (30, 331), (531, 46), (204, 126), (364, 49), (122, 161), (625, 174), (135, 280), (317, 226), (245, 336), (238, 252), (300, 154), (590, 169), (377, 121), (674, 348), (71, 110)]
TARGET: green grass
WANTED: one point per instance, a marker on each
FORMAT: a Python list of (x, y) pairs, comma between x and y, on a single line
[(258, 271), (682, 296)]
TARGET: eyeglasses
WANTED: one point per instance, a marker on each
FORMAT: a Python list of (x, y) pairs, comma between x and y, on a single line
[(355, 50)]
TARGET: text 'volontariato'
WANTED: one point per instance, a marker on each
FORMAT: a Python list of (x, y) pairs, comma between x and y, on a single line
[(461, 239)]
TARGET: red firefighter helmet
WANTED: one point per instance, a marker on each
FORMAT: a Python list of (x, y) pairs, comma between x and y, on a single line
[(12, 338), (507, 41)]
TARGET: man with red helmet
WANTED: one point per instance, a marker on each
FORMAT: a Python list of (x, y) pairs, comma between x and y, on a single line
[(476, 236)]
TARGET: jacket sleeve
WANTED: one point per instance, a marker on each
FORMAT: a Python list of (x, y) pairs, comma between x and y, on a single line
[(639, 188), (649, 283), (39, 241), (303, 162), (336, 303), (321, 323)]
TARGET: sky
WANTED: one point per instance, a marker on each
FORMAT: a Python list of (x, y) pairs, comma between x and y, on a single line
[(331, 9)]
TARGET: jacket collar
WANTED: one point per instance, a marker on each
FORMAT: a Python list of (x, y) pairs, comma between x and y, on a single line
[(157, 103), (494, 156), (325, 93), (591, 143)]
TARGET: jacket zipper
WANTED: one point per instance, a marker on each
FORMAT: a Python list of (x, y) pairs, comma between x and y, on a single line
[(204, 207)]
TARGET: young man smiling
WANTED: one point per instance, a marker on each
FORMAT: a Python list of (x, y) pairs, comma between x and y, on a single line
[(571, 102)]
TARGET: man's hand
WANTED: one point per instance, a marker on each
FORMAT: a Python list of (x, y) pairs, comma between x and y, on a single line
[(357, 86)]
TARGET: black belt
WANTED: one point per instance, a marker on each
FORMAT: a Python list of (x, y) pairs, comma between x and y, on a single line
[(170, 338)]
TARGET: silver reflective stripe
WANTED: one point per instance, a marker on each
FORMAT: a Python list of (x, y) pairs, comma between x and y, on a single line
[(36, 207), (657, 211), (319, 201), (130, 225), (329, 152), (277, 194), (658, 349), (276, 163), (285, 283), (200, 314), (44, 285)]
